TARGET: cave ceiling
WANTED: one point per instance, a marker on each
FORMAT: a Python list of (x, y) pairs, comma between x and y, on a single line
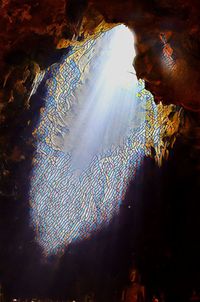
[(166, 39)]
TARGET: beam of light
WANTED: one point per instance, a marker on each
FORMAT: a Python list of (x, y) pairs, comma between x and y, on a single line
[(108, 106), (90, 140)]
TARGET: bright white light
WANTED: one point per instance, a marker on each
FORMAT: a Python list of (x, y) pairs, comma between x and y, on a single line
[(107, 107), (118, 66)]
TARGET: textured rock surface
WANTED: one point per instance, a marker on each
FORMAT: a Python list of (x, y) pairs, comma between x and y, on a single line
[(167, 38)]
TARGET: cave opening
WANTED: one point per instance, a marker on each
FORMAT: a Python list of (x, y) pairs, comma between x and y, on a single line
[(92, 136)]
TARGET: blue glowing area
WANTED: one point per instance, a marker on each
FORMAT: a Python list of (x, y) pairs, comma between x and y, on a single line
[(91, 138)]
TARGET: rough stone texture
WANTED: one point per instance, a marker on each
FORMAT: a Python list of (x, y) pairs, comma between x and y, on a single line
[(166, 32)]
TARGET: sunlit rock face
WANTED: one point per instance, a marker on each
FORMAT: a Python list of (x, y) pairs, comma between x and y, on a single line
[(92, 137)]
